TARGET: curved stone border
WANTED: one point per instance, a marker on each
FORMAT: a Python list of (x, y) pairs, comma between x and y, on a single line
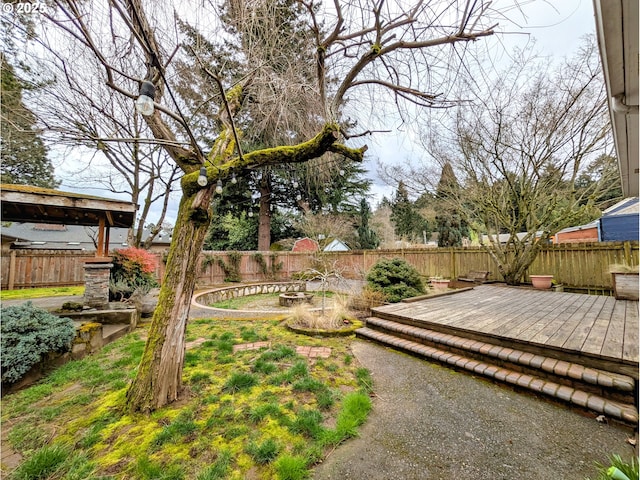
[(203, 299), (342, 332)]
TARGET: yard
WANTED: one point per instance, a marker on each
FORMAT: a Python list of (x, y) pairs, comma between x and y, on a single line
[(256, 413)]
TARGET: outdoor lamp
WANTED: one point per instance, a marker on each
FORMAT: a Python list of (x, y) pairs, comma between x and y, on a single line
[(144, 103), (234, 180), (250, 213), (202, 178), (219, 187)]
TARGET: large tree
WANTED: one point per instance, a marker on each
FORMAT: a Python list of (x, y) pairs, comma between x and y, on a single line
[(373, 48), (520, 150), (23, 156), (408, 222), (450, 223)]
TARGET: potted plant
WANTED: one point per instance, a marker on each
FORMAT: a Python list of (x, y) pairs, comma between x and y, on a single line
[(625, 281), (542, 282)]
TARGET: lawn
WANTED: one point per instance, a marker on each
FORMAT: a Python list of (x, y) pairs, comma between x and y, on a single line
[(261, 301), (28, 293), (263, 414)]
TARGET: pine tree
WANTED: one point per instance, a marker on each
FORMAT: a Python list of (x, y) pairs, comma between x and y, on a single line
[(367, 238), (408, 223), (450, 225), (23, 156)]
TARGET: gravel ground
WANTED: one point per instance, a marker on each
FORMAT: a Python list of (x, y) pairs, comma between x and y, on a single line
[(430, 422)]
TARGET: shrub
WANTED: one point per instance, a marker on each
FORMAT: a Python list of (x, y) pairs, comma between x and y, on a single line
[(132, 270), (29, 333), (396, 279)]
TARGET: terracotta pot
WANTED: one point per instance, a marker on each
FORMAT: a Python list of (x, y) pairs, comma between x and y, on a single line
[(440, 284), (543, 282)]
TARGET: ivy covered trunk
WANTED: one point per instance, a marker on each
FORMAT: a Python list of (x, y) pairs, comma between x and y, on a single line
[(159, 378)]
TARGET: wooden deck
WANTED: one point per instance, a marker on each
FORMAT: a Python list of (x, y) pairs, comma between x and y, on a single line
[(598, 331)]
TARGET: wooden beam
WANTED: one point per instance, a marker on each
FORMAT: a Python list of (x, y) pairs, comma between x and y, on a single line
[(101, 228)]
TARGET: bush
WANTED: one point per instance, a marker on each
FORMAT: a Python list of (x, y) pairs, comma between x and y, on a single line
[(29, 333), (396, 279), (132, 270)]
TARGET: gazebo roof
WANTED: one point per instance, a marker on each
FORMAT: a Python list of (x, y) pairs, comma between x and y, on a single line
[(25, 203)]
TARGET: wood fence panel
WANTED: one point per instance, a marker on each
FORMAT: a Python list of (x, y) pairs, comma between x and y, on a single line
[(575, 265)]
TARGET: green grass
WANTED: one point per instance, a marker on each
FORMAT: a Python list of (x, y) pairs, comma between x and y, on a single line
[(42, 463), (259, 413), (28, 293), (255, 301)]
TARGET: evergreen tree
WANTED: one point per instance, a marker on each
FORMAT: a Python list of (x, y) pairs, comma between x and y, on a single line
[(450, 225), (23, 156), (367, 238), (408, 223)]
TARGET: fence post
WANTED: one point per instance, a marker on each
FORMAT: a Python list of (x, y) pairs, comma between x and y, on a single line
[(628, 259), (452, 260), (12, 270)]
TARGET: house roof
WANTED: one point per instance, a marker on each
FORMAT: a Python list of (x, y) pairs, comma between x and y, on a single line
[(24, 203), (628, 206), (577, 228), (336, 245), (64, 237), (617, 31)]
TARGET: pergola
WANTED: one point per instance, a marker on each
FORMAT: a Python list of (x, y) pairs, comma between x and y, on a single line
[(24, 203)]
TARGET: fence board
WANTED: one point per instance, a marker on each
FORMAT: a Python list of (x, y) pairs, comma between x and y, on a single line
[(575, 265)]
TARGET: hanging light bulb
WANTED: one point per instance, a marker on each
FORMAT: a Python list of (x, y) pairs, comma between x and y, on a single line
[(202, 178), (298, 197), (219, 187), (250, 213), (144, 102), (295, 184), (234, 180)]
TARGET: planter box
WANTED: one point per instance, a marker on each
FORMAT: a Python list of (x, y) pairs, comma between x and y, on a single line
[(625, 286), (440, 284)]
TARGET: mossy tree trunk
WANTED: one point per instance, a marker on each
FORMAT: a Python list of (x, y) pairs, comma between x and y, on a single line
[(264, 216), (159, 378)]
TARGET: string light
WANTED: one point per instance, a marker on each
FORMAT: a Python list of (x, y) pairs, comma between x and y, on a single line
[(202, 178), (144, 102), (234, 180), (219, 187)]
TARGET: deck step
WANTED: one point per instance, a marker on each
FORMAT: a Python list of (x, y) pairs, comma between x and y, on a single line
[(614, 409), (574, 371)]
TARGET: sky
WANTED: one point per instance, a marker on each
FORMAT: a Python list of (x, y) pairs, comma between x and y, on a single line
[(556, 26)]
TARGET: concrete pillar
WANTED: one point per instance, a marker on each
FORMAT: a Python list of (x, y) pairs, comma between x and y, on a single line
[(96, 282)]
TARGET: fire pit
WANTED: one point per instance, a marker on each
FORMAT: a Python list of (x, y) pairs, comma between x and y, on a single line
[(290, 299)]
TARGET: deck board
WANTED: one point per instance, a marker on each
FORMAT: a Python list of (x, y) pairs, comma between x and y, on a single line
[(597, 326)]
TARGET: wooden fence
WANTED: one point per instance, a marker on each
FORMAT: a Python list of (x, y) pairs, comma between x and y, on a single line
[(574, 265)]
